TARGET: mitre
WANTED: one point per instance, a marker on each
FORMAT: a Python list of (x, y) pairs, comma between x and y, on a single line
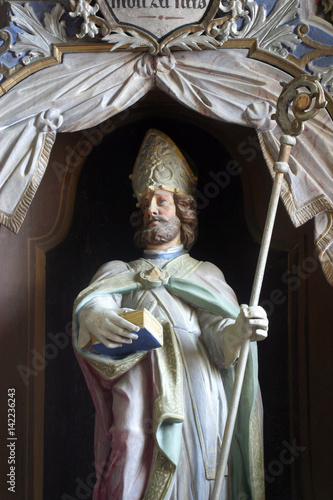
[(161, 165)]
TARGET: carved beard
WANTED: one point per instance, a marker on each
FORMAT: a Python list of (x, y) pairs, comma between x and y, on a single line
[(165, 231)]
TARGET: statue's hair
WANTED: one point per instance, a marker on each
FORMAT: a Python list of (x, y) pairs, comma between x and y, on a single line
[(186, 213)]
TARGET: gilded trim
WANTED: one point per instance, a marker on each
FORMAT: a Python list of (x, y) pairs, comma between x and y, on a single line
[(162, 475), (36, 248), (117, 368), (327, 230), (289, 64), (321, 49), (58, 51), (256, 455), (15, 221), (167, 406), (323, 246), (299, 214)]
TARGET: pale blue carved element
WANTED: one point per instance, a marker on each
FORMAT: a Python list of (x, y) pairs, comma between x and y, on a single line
[(324, 73), (271, 30), (8, 60), (37, 39), (36, 26)]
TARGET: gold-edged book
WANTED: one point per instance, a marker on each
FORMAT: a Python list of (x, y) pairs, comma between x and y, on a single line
[(150, 335)]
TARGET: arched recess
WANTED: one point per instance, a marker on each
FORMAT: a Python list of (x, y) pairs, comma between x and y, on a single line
[(33, 316), (256, 185), (225, 84)]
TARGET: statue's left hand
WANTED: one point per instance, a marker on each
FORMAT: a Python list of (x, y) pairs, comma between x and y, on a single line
[(252, 322)]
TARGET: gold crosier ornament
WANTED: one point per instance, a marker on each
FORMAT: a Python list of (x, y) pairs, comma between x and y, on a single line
[(161, 165)]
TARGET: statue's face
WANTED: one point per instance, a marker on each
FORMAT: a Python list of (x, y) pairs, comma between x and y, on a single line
[(157, 205), (161, 225)]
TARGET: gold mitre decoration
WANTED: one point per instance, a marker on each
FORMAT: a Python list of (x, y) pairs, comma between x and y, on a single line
[(160, 164)]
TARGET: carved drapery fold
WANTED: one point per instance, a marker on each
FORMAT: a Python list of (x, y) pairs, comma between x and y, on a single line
[(87, 89)]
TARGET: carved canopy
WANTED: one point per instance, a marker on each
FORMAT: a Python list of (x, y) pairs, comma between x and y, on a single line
[(85, 88)]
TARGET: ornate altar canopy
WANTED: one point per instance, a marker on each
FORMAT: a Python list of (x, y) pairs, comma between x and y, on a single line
[(65, 71)]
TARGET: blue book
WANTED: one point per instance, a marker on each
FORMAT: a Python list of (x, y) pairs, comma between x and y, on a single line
[(150, 335)]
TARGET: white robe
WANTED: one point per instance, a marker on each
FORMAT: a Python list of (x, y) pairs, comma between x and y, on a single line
[(125, 405)]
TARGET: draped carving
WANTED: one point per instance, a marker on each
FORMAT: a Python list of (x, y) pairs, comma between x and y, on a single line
[(87, 89)]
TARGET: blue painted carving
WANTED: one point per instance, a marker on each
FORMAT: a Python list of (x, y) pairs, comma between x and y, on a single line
[(11, 36)]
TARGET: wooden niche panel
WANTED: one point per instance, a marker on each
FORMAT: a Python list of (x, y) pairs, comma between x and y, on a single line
[(45, 269)]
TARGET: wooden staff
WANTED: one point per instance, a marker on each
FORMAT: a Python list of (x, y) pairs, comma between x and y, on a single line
[(303, 109)]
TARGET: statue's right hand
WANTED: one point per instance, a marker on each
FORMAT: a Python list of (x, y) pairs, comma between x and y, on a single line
[(107, 326)]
